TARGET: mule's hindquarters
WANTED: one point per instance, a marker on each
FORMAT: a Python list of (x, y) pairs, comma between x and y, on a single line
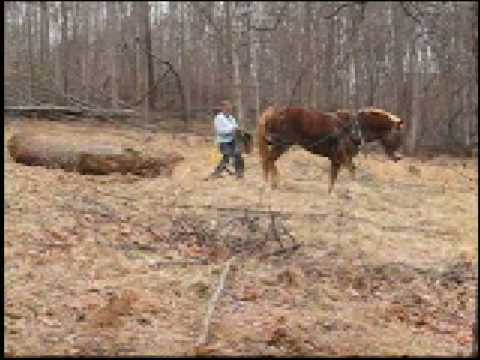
[(264, 152)]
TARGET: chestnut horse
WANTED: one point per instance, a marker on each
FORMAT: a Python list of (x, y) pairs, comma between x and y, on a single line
[(323, 134), (378, 125)]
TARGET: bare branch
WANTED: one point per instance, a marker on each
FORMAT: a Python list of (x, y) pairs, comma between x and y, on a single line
[(205, 14), (337, 10), (410, 13)]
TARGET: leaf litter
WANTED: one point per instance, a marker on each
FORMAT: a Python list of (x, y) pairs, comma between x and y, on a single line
[(117, 265)]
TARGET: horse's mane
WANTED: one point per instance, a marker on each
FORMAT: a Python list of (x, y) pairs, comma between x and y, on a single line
[(392, 117)]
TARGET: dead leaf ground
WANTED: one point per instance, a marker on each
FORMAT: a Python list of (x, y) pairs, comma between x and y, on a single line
[(387, 264)]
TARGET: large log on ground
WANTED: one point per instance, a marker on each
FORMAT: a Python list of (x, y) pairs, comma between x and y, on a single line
[(53, 151), (52, 111)]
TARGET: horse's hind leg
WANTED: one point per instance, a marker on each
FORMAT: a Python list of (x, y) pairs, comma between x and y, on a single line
[(265, 167), (275, 153)]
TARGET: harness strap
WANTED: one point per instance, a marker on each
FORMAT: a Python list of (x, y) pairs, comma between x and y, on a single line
[(326, 137), (357, 125), (314, 143)]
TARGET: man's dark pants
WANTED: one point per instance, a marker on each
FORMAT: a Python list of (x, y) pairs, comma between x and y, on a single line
[(229, 150)]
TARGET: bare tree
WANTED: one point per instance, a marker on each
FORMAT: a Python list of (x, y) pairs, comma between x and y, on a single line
[(325, 56), (29, 16), (85, 50), (44, 32), (185, 64), (112, 16), (64, 53), (148, 46)]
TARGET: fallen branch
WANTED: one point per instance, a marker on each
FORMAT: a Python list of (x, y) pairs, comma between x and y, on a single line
[(280, 213), (284, 250), (159, 264), (203, 339), (43, 108)]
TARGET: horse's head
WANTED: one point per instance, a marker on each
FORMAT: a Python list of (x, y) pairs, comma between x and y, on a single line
[(379, 124)]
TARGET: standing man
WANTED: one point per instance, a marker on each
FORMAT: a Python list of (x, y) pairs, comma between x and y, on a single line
[(225, 127)]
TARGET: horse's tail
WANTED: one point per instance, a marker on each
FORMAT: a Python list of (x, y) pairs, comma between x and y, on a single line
[(262, 140)]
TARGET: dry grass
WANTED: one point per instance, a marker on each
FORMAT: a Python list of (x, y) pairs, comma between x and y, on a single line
[(385, 267)]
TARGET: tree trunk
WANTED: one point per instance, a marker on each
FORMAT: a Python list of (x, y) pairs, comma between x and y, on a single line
[(75, 16), (142, 10), (124, 53), (357, 60), (112, 18), (237, 82), (44, 32), (97, 8), (415, 109), (138, 57), (329, 60), (149, 58), (255, 71), (237, 85), (59, 54), (172, 31), (30, 49), (184, 63), (86, 51), (65, 52), (398, 44), (318, 60), (228, 76), (306, 53)]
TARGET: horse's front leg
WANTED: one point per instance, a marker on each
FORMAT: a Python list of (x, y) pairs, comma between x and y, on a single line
[(334, 169), (392, 155), (352, 168), (347, 159)]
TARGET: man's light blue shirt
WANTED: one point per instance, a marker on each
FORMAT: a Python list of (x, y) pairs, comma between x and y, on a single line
[(225, 126)]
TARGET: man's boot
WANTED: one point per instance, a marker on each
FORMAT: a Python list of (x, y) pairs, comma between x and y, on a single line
[(219, 169), (239, 167)]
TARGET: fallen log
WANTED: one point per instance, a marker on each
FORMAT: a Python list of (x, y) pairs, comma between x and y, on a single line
[(53, 151), (52, 111)]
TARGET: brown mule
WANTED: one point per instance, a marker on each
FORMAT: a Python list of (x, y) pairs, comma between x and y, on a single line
[(319, 133)]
